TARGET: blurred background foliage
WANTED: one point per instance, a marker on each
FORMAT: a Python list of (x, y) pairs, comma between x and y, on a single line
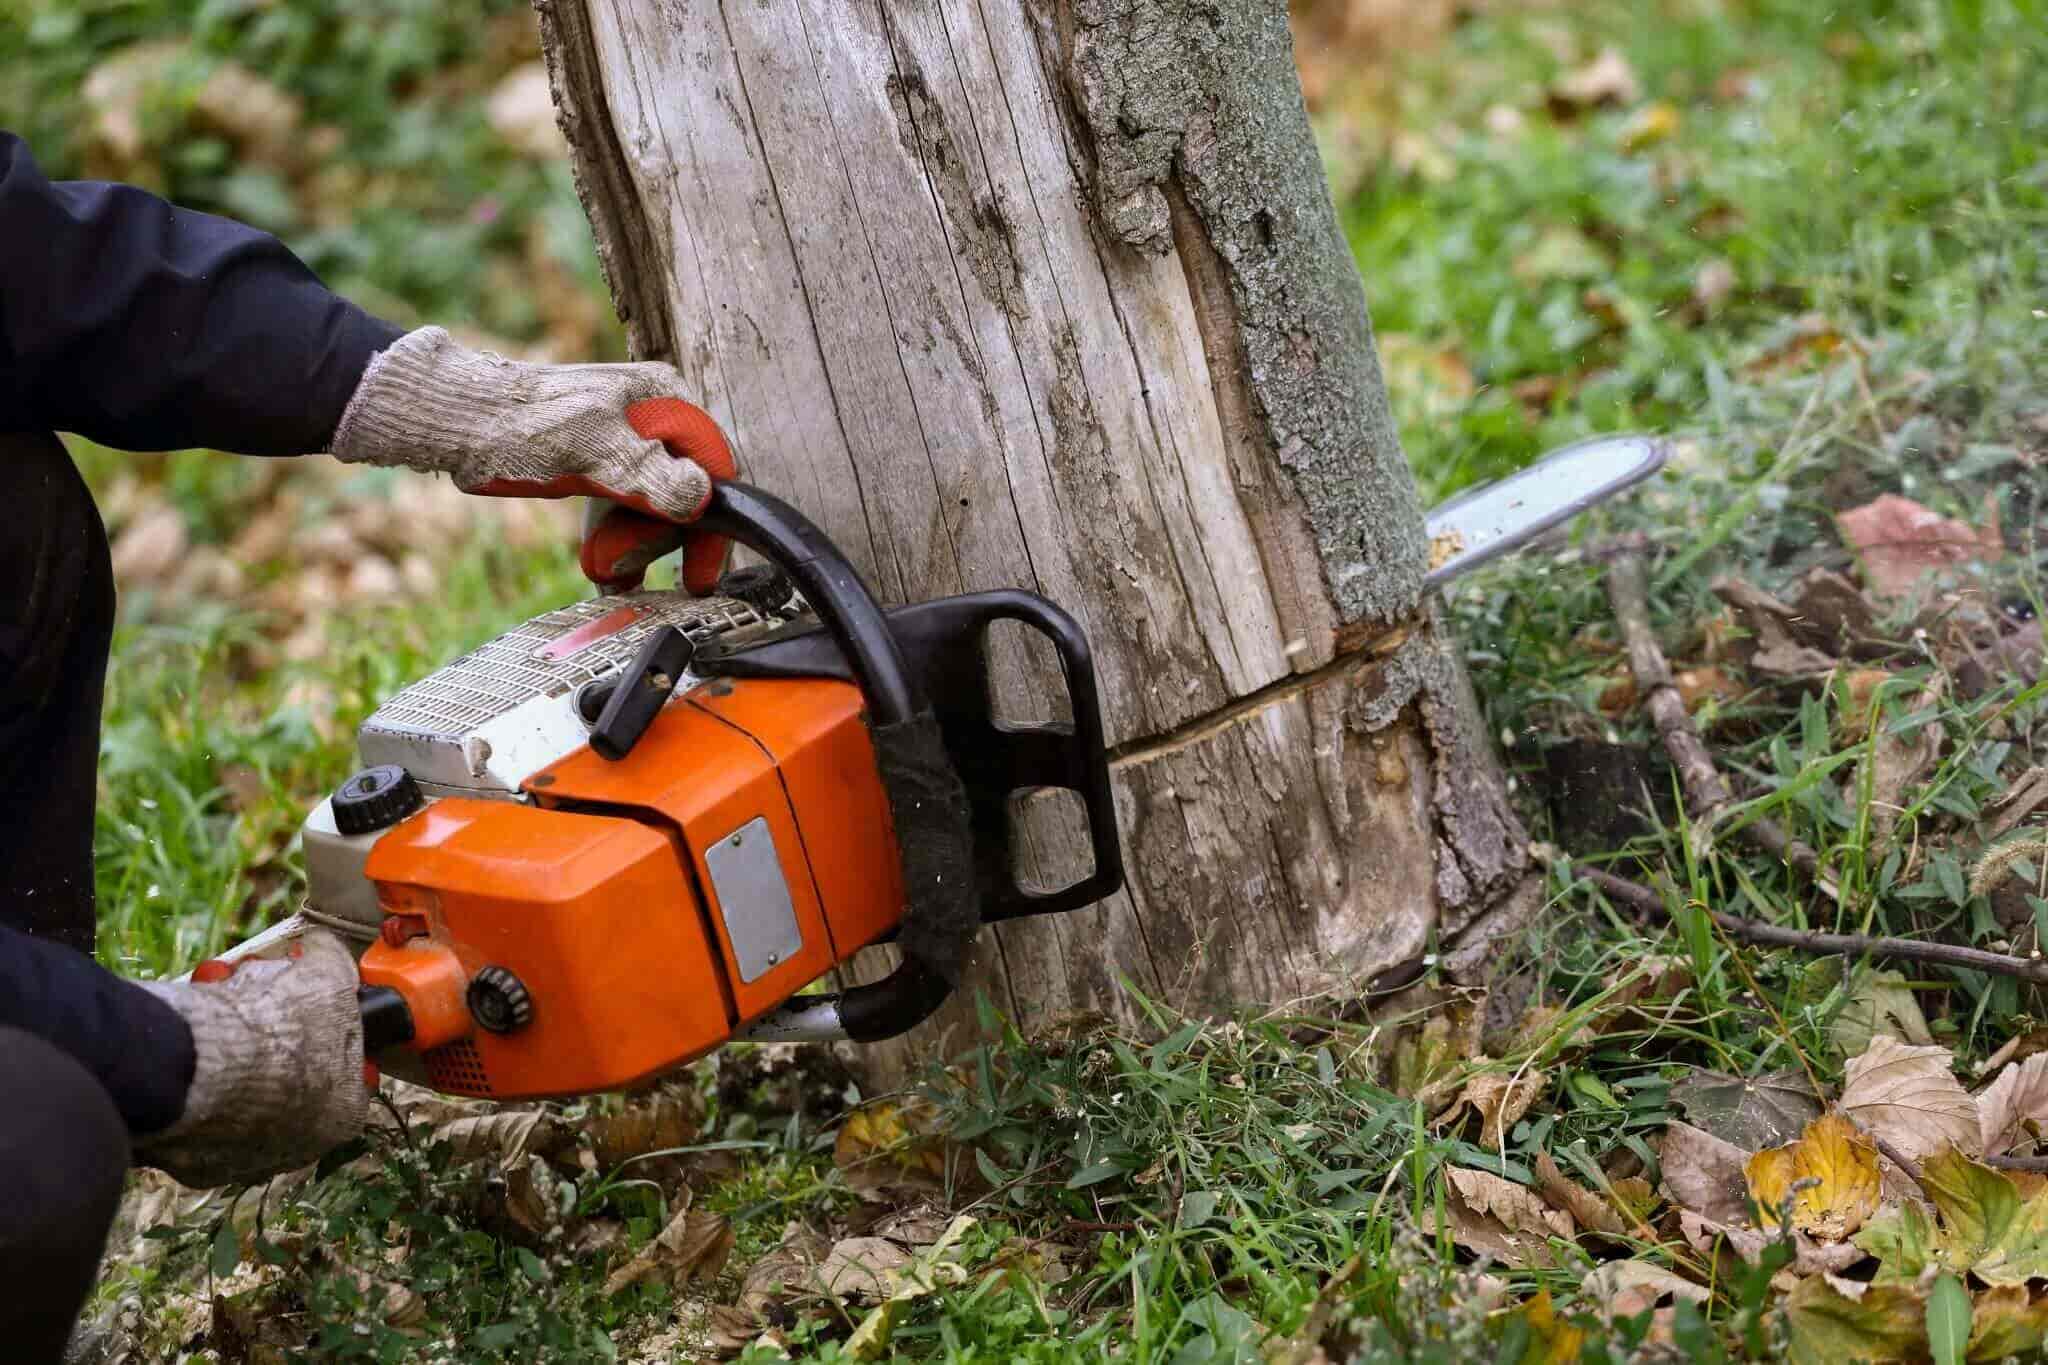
[(404, 148)]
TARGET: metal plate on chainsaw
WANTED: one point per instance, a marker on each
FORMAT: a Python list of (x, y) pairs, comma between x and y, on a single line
[(504, 711), (753, 899)]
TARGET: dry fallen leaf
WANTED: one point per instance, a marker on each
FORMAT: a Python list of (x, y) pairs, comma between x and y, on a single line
[(1624, 1289), (2005, 1322), (648, 1123), (1898, 762), (1589, 1209), (859, 1267), (1713, 282), (1830, 1176), (1826, 1326), (1500, 1098), (694, 1246), (2010, 1108), (1649, 125), (1808, 1256), (1704, 1174), (1899, 542), (1908, 1097), (1607, 79), (885, 1146), (1498, 1218), (1878, 1003), (1751, 1112)]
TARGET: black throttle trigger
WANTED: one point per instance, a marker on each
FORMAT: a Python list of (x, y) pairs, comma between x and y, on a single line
[(643, 688)]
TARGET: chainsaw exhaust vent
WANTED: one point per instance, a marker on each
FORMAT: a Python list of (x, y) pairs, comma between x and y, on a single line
[(455, 1069)]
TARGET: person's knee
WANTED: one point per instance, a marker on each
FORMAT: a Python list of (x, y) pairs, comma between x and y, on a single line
[(63, 1161)]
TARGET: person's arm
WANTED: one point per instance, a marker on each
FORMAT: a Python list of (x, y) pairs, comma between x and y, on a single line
[(256, 1071), (144, 326), (138, 1046)]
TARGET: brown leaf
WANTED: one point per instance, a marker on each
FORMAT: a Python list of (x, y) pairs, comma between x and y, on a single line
[(858, 1268), (522, 112), (1625, 1289), (1500, 1098), (1704, 1174), (1751, 1112), (1809, 1257), (1590, 1210), (654, 1122), (1899, 762), (1712, 282), (1899, 542), (1607, 79), (694, 1246), (1698, 686), (885, 1147), (1909, 1097), (1775, 647), (785, 1268), (1830, 1175), (2012, 1103), (1498, 1218), (150, 546), (506, 1137), (1878, 1003)]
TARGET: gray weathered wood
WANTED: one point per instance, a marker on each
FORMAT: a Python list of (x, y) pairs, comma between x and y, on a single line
[(1006, 293)]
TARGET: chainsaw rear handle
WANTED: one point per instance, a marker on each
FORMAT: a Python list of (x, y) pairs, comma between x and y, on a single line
[(927, 801)]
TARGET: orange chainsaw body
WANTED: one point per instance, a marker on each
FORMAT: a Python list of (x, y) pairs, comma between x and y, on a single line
[(628, 899)]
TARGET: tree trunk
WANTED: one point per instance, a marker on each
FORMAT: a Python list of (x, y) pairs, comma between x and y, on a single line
[(1025, 293)]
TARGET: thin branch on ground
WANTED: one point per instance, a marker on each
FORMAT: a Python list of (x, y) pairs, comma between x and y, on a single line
[(1706, 794), (2036, 1164), (1643, 898)]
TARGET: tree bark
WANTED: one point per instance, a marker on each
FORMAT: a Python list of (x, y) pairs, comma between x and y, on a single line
[(1021, 293)]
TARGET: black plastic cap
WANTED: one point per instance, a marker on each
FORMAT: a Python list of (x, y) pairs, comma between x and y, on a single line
[(374, 798), (764, 587), (499, 1001)]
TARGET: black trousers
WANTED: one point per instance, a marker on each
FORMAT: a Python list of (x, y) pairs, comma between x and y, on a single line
[(56, 621), (63, 1147)]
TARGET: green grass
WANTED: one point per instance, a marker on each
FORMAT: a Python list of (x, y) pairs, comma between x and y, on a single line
[(1206, 1187)]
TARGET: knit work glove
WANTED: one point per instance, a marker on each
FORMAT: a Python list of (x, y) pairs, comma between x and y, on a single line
[(278, 1077), (510, 429)]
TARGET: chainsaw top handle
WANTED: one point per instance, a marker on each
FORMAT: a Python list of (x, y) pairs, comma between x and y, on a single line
[(927, 802)]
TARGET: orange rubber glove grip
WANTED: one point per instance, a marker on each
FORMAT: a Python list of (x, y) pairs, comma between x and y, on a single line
[(690, 433)]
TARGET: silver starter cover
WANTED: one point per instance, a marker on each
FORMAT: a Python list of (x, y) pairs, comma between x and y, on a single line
[(494, 717)]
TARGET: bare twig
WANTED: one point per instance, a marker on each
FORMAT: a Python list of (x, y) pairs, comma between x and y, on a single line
[(2037, 1164), (1706, 794), (1813, 941), (1900, 1160)]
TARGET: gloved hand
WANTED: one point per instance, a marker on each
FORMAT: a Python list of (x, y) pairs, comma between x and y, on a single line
[(278, 1077), (510, 429)]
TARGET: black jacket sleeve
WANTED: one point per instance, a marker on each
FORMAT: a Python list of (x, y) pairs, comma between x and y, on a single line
[(147, 327), (138, 1047)]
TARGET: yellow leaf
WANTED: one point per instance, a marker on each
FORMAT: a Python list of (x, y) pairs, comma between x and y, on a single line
[(1552, 1341), (1841, 1163), (2007, 1321), (1649, 125)]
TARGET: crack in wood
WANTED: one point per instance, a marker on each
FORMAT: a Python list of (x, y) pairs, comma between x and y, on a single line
[(1374, 649)]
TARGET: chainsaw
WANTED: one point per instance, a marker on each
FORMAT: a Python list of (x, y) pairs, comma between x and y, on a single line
[(639, 827)]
